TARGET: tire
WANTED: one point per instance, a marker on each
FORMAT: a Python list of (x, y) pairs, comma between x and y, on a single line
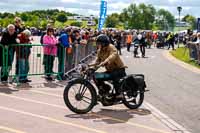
[(91, 90), (137, 105)]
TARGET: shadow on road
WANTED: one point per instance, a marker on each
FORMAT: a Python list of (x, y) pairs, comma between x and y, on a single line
[(111, 116), (52, 85), (7, 90)]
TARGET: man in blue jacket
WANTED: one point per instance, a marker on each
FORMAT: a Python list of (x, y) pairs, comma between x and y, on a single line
[(64, 42)]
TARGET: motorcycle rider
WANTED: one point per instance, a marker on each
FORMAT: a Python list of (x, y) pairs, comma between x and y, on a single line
[(108, 57)]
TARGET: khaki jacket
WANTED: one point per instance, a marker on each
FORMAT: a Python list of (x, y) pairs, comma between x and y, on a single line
[(109, 56)]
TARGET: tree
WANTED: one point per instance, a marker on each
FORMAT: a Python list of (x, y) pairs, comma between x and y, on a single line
[(78, 24), (61, 17), (24, 16), (132, 17), (147, 16), (43, 24), (7, 15), (165, 20), (191, 20), (138, 17), (112, 20)]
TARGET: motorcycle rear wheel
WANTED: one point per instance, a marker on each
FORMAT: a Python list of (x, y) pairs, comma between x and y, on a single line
[(131, 101)]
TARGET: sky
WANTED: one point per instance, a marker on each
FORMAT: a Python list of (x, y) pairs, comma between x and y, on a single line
[(91, 7)]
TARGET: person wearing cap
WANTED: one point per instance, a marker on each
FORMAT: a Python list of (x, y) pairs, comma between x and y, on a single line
[(23, 52), (8, 39)]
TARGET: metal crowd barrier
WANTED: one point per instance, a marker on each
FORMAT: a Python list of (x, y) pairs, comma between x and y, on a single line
[(2, 61), (20, 61), (194, 51), (81, 53)]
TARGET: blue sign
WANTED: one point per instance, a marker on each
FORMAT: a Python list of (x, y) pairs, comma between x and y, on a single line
[(103, 13), (198, 24)]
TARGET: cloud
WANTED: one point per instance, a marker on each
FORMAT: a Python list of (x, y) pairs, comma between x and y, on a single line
[(87, 7)]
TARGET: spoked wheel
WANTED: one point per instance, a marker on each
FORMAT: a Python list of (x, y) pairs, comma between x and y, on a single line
[(80, 97), (133, 100)]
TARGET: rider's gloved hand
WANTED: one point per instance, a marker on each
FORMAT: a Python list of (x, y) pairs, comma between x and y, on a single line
[(102, 64)]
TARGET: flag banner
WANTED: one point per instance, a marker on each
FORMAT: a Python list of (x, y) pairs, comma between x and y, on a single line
[(103, 13), (198, 24)]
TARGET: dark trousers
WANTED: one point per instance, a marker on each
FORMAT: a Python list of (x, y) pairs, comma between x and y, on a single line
[(61, 61), (171, 44), (128, 47), (114, 76), (48, 64), (5, 73), (5, 70), (135, 52), (142, 49), (119, 51), (118, 46), (23, 69)]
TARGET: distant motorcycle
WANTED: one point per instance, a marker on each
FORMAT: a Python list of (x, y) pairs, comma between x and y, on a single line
[(80, 95)]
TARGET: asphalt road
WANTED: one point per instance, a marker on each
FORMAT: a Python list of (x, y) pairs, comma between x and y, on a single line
[(39, 107), (174, 90)]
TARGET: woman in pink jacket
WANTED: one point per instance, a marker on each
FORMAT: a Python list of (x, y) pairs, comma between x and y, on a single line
[(50, 51)]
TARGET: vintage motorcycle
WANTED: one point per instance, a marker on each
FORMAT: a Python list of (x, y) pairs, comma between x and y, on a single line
[(82, 93)]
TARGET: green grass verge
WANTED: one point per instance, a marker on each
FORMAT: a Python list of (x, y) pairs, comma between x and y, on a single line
[(183, 55), (176, 29)]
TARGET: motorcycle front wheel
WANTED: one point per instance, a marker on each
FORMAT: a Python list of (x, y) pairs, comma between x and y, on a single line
[(80, 96)]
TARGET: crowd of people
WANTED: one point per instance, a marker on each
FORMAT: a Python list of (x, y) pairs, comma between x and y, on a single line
[(69, 39)]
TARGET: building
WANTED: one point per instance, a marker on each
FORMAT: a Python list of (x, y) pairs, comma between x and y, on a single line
[(82, 18), (182, 24)]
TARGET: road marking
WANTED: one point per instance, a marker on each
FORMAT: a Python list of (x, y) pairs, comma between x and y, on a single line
[(33, 101), (51, 119), (44, 93), (159, 115), (98, 115), (10, 129), (166, 119)]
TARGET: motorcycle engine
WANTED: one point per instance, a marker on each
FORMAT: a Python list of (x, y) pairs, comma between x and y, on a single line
[(105, 89)]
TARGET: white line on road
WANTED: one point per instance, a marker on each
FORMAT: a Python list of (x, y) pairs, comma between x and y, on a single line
[(104, 116), (51, 119), (166, 119), (10, 129)]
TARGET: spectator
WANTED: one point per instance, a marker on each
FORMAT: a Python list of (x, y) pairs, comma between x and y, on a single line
[(118, 42), (76, 41), (50, 51), (129, 41), (44, 33), (142, 43), (136, 45), (8, 39), (18, 28), (198, 47), (155, 37), (170, 40), (64, 43), (22, 54), (18, 25)]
